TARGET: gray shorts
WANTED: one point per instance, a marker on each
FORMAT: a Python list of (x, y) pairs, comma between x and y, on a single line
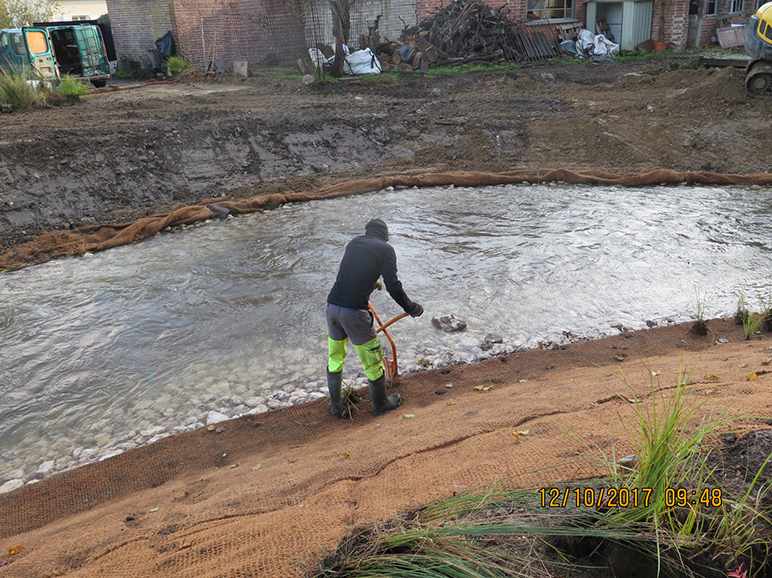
[(356, 324)]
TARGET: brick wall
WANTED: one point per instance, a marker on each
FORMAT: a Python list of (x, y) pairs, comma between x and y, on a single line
[(517, 7), (676, 20), (669, 21), (259, 30), (392, 17), (210, 30), (137, 23)]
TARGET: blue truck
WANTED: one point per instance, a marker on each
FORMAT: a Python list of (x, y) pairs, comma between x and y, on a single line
[(53, 50)]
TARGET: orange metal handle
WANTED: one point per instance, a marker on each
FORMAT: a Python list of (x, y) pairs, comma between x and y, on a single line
[(397, 318)]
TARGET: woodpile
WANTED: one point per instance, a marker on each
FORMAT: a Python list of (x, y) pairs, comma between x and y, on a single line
[(464, 31)]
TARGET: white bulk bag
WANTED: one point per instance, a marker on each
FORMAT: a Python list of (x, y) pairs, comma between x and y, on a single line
[(362, 62)]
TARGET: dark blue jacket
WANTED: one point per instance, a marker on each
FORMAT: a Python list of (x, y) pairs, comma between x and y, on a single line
[(367, 258)]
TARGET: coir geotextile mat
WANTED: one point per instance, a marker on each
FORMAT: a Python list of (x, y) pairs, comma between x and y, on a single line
[(269, 493), (95, 238)]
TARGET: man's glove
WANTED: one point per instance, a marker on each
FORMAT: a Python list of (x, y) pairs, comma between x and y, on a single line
[(416, 311)]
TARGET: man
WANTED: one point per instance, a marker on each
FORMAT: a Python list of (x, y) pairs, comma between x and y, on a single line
[(366, 258)]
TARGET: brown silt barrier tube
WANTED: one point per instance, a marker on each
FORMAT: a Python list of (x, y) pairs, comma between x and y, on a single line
[(50, 245)]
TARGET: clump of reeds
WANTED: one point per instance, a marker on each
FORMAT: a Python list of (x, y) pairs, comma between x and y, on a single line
[(700, 327), (21, 89), (753, 322), (71, 87)]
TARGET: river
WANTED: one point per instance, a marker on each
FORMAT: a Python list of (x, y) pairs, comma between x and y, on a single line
[(105, 352)]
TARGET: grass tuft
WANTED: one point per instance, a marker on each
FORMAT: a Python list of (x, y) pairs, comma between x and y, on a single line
[(700, 327), (69, 86), (751, 322)]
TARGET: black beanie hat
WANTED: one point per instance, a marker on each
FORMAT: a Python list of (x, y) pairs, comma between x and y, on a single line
[(377, 228)]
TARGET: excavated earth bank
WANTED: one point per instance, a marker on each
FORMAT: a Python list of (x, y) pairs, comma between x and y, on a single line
[(116, 156)]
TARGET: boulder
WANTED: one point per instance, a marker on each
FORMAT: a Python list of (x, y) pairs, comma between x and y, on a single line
[(449, 323)]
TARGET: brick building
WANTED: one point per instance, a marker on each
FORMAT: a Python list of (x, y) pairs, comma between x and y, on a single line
[(273, 30)]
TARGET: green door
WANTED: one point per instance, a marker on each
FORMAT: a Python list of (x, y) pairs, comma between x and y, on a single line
[(13, 53), (92, 55), (39, 50)]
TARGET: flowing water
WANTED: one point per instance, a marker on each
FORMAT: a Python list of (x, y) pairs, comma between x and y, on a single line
[(101, 353)]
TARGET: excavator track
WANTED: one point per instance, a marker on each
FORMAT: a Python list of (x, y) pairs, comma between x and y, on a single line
[(758, 82)]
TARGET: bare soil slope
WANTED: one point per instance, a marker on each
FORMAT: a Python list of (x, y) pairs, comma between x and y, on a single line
[(119, 155)]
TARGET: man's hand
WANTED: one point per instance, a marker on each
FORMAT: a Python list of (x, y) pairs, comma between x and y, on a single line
[(416, 311), (379, 284)]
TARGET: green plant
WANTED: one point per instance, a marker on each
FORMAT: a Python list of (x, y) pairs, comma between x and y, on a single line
[(742, 310), (176, 64), (496, 530), (700, 327), (21, 89), (737, 527), (121, 73), (69, 86), (750, 321), (669, 438), (766, 310), (487, 532)]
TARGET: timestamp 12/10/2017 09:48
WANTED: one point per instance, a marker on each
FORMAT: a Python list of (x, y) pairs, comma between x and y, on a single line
[(627, 497)]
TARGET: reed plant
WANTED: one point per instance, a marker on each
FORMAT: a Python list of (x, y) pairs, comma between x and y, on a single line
[(766, 310), (742, 526), (21, 89), (750, 321), (669, 437), (71, 87), (477, 534), (700, 327)]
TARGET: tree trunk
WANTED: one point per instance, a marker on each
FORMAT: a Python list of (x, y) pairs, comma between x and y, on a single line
[(341, 19)]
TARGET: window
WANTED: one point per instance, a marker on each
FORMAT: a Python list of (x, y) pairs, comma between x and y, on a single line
[(711, 7), (767, 32), (737, 6), (17, 43), (550, 9), (76, 18)]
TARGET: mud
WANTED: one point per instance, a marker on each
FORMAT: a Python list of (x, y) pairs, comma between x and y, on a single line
[(121, 154)]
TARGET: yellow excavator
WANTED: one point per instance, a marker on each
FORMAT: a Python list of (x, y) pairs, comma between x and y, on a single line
[(758, 45)]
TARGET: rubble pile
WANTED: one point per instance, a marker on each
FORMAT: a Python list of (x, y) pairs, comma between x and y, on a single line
[(463, 32)]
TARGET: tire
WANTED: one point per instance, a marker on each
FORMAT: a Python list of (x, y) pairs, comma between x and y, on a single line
[(101, 83)]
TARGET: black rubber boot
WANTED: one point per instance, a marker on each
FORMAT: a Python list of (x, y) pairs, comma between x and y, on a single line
[(382, 402), (334, 381)]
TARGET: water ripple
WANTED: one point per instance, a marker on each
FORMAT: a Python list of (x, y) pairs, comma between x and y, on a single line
[(95, 350)]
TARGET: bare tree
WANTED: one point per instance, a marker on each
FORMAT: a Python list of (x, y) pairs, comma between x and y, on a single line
[(341, 26)]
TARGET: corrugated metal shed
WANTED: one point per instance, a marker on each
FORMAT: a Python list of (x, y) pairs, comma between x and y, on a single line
[(631, 18)]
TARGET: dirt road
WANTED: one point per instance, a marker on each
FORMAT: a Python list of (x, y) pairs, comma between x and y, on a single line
[(116, 156)]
